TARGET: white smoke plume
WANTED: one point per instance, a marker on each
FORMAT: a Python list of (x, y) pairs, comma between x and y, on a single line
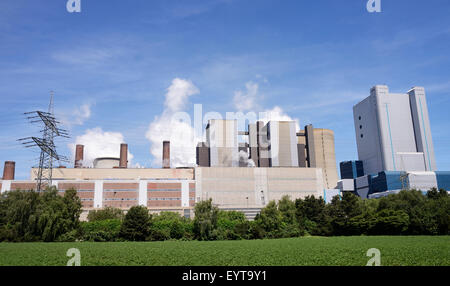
[(175, 126), (277, 114), (247, 101), (243, 156), (98, 143)]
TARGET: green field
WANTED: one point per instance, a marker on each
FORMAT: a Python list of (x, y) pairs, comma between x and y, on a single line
[(407, 250)]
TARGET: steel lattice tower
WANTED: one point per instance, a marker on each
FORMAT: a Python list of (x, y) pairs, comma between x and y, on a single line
[(46, 143)]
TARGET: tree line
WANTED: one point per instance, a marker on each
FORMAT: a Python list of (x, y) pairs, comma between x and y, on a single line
[(29, 216)]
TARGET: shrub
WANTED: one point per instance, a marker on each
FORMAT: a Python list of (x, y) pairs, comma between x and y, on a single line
[(170, 225), (136, 224), (231, 225), (70, 236), (104, 214), (104, 230), (255, 230), (389, 222)]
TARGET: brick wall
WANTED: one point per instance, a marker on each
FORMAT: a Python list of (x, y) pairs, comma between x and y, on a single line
[(120, 195)]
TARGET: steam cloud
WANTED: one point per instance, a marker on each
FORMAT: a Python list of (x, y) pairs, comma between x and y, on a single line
[(168, 126), (98, 143)]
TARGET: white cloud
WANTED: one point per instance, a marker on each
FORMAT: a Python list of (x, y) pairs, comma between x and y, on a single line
[(245, 101), (81, 114), (98, 143), (86, 56), (171, 126), (178, 94), (75, 116), (277, 114)]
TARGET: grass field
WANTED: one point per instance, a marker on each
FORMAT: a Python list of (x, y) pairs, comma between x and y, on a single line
[(408, 250)]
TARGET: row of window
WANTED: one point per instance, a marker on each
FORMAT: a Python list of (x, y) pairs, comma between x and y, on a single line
[(360, 127), (120, 190), (168, 199), (164, 190), (78, 191), (132, 190), (123, 199)]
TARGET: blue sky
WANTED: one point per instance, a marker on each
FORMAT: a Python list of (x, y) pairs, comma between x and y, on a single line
[(111, 65)]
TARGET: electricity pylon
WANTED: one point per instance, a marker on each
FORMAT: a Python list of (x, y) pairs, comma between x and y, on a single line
[(45, 143)]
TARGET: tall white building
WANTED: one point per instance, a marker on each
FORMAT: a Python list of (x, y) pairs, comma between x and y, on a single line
[(282, 139), (222, 139), (393, 131)]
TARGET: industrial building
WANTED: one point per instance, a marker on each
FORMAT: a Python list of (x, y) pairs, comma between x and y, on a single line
[(393, 131), (395, 146), (276, 144), (276, 160), (246, 169)]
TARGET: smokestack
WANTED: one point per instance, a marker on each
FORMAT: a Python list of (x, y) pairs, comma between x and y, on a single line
[(9, 170), (79, 156), (123, 156), (166, 155)]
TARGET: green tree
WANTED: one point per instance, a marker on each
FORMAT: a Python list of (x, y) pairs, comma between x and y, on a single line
[(438, 205), (136, 224), (342, 210), (413, 202), (389, 222), (19, 216), (270, 220), (170, 225), (58, 215), (205, 220), (100, 230), (30, 216), (104, 214), (287, 210), (291, 227), (311, 215), (231, 225)]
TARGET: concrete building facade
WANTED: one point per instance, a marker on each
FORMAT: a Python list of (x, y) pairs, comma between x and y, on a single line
[(272, 145), (395, 146), (222, 140), (255, 187), (393, 131), (282, 139)]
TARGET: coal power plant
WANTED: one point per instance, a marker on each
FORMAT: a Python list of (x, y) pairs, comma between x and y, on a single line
[(277, 161), (244, 170)]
